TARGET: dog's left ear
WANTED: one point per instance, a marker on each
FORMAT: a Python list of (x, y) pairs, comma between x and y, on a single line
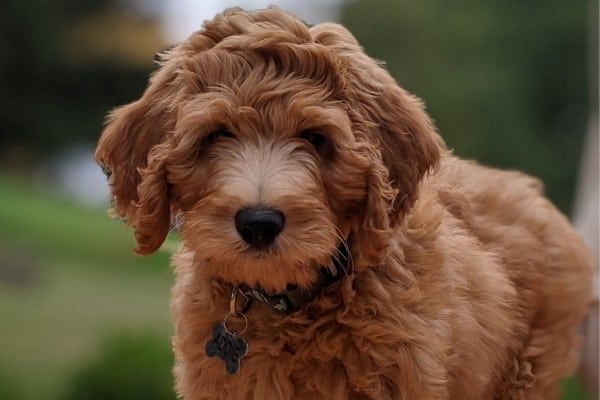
[(401, 140)]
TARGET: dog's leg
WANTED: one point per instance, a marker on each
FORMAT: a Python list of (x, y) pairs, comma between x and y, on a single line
[(535, 372)]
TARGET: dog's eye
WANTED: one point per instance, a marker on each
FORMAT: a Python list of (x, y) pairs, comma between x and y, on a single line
[(106, 171), (313, 137), (218, 134)]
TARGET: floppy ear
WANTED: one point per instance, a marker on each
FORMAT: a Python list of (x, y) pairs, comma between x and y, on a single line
[(400, 139), (130, 153)]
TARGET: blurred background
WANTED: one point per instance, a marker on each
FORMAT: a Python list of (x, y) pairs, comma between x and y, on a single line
[(512, 84)]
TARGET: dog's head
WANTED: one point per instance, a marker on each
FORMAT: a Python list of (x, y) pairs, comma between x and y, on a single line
[(272, 142)]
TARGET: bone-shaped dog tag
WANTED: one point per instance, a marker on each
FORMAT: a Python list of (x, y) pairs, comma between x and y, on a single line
[(228, 346)]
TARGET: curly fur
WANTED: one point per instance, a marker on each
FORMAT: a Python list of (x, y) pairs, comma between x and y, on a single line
[(465, 283)]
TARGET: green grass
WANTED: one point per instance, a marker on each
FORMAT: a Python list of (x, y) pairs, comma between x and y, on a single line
[(82, 283), (58, 228)]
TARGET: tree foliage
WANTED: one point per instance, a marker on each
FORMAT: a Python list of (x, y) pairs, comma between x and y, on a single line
[(129, 368), (50, 97)]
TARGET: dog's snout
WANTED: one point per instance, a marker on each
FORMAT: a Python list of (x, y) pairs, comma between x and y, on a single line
[(259, 226)]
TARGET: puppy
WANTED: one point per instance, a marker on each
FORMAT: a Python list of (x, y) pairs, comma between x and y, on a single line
[(332, 248)]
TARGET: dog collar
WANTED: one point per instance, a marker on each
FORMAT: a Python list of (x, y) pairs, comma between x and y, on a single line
[(294, 298)]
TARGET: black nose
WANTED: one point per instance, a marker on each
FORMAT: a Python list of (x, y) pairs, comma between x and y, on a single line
[(259, 226)]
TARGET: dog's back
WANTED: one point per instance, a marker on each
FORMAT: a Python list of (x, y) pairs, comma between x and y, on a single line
[(544, 259)]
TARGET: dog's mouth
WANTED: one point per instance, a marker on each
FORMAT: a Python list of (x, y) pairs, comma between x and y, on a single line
[(261, 254)]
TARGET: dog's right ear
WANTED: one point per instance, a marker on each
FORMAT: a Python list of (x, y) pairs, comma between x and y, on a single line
[(131, 155)]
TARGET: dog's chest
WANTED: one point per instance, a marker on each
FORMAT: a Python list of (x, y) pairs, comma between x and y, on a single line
[(307, 360)]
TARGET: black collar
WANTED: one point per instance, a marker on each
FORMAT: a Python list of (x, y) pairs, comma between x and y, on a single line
[(294, 298)]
